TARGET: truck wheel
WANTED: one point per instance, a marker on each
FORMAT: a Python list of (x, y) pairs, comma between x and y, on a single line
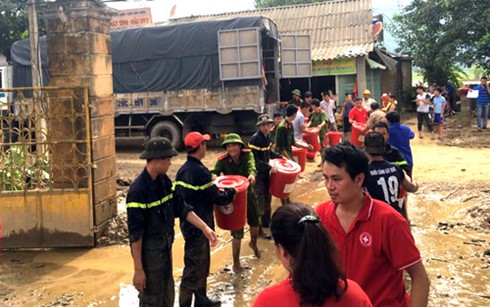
[(168, 130)]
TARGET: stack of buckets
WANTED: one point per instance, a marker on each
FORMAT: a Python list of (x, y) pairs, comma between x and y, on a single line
[(311, 138), (281, 182), (234, 215), (357, 136)]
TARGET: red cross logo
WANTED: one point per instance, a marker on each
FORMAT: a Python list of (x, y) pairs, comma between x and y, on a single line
[(228, 209), (366, 239)]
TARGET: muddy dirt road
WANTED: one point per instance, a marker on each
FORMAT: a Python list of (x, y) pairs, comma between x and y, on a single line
[(451, 224)]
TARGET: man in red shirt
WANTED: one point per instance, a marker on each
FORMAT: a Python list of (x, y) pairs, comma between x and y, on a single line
[(358, 114), (375, 243)]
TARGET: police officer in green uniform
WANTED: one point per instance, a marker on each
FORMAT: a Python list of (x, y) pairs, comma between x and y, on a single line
[(285, 134), (152, 208), (261, 148), (296, 99), (277, 118), (285, 138), (194, 183), (318, 119), (240, 161)]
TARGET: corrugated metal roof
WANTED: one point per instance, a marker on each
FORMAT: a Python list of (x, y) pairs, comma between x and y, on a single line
[(338, 29)]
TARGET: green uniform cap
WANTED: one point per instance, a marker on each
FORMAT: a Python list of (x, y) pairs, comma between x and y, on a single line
[(158, 147), (296, 92), (232, 138)]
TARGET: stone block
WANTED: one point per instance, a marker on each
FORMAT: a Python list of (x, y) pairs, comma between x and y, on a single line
[(77, 24), (99, 85), (105, 210), (102, 126), (78, 43), (103, 147), (104, 189), (102, 106), (67, 64), (104, 168)]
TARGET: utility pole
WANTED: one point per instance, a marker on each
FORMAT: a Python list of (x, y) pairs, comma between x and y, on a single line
[(39, 116), (34, 43)]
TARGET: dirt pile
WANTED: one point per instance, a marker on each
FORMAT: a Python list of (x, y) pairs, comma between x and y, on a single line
[(480, 214), (459, 131), (476, 217), (116, 231)]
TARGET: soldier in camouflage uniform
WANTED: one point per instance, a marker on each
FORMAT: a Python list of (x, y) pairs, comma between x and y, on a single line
[(240, 161)]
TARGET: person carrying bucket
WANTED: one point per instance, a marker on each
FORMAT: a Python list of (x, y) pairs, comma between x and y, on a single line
[(285, 138), (152, 207), (307, 252), (319, 120), (261, 148), (195, 185), (358, 114), (240, 161)]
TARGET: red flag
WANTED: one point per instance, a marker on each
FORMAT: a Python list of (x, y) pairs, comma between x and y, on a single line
[(172, 11)]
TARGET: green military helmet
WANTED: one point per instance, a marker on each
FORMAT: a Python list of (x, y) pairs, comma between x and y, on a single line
[(232, 138), (157, 148)]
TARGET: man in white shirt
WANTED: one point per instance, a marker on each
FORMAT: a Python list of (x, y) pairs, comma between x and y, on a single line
[(367, 100), (328, 106), (423, 112), (299, 122)]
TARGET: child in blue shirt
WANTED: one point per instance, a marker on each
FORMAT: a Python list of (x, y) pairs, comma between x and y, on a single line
[(439, 107)]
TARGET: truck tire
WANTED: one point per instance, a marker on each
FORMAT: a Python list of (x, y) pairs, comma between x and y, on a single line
[(170, 131)]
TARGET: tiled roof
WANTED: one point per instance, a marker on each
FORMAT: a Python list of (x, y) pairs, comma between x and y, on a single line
[(338, 29)]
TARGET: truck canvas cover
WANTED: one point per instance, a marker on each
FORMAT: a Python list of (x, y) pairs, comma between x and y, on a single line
[(171, 57)]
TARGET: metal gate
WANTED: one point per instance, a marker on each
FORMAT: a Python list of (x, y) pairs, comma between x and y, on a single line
[(46, 168)]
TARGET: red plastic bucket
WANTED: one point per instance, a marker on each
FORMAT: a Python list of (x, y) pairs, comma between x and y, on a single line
[(312, 138), (333, 138), (234, 215), (357, 137), (282, 182), (300, 155)]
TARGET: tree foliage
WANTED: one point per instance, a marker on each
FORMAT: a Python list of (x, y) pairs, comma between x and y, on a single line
[(272, 3), (441, 35), (14, 25)]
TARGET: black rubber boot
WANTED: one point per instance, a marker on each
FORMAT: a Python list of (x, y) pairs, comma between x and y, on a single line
[(185, 297), (202, 300)]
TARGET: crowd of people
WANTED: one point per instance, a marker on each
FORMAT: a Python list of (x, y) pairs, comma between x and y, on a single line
[(350, 251)]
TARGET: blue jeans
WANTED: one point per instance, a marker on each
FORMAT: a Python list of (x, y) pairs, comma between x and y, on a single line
[(481, 115)]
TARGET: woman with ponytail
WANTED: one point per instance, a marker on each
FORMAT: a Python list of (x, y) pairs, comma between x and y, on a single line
[(307, 252)]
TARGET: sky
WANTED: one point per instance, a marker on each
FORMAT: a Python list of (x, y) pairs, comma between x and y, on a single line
[(161, 9)]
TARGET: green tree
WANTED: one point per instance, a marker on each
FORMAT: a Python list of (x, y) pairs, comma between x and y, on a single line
[(442, 35), (14, 25), (272, 3)]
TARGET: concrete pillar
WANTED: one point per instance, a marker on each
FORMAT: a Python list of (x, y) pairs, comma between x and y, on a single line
[(361, 74), (79, 53)]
